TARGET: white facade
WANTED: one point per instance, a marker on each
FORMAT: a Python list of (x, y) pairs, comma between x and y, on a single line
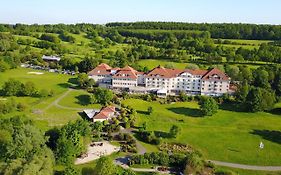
[(204, 82), (101, 78), (124, 82)]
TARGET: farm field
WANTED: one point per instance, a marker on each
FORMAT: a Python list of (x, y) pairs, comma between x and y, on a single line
[(227, 136)]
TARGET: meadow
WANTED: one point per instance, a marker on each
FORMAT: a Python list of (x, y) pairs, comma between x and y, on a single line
[(46, 111), (228, 136)]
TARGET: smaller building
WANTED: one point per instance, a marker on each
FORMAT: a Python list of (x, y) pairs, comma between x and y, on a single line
[(51, 58), (106, 113)]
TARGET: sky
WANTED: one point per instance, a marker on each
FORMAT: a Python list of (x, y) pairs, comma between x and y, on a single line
[(104, 11)]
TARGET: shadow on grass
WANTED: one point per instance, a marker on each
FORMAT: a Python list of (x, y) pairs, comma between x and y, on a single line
[(87, 171), (276, 111), (72, 80), (83, 100), (186, 111), (235, 107), (83, 116), (162, 134), (142, 112), (273, 136), (64, 85)]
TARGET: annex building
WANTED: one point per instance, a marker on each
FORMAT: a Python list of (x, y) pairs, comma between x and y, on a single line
[(162, 81)]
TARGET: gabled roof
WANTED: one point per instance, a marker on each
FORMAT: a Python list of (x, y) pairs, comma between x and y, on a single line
[(163, 72), (104, 112), (102, 69), (215, 74), (126, 72)]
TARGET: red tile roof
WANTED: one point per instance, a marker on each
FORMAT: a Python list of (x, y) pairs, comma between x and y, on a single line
[(215, 74), (196, 71), (104, 112), (126, 72), (102, 69), (163, 72)]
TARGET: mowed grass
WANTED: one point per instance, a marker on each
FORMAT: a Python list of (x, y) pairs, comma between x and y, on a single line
[(56, 82), (247, 172), (227, 136), (45, 113), (250, 42), (78, 99), (151, 63)]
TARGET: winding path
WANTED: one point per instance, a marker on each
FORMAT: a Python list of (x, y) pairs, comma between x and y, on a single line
[(142, 150), (56, 102)]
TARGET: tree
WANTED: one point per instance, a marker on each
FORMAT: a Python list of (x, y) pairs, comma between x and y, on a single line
[(87, 64), (105, 166), (149, 110), (29, 89), (4, 66), (174, 131), (12, 87), (261, 78), (259, 99), (243, 90), (208, 106), (195, 163), (32, 157), (71, 142), (84, 81), (102, 96)]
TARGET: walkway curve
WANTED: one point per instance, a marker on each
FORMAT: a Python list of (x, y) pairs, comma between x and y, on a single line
[(246, 167), (56, 102), (142, 150)]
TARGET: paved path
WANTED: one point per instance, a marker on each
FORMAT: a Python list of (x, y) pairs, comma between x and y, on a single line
[(123, 162), (140, 148), (247, 167), (56, 102)]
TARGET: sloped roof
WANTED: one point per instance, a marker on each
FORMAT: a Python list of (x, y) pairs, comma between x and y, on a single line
[(104, 112), (102, 69), (215, 74), (126, 72), (163, 72)]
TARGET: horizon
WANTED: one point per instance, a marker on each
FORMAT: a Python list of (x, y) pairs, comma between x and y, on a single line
[(95, 12)]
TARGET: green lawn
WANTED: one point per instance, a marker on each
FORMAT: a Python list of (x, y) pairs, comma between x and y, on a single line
[(248, 172), (151, 63), (227, 136), (250, 42), (45, 114), (57, 82), (78, 99)]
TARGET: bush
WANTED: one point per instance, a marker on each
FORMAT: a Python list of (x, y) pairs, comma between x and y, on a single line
[(208, 106), (224, 172), (21, 107)]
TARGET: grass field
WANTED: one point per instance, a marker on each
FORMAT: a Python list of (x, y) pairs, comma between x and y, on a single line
[(227, 136), (43, 111), (246, 44)]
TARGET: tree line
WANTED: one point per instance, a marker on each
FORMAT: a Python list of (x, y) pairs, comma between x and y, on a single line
[(223, 30)]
